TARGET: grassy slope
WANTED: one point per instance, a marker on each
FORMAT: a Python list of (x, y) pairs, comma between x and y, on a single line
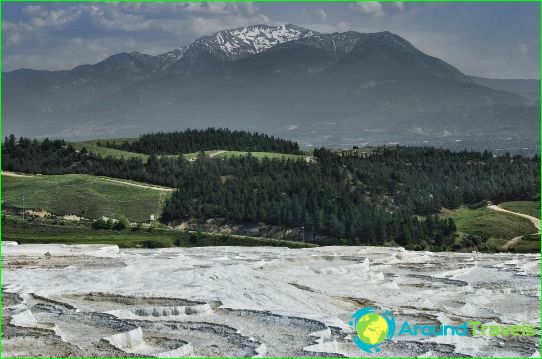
[(43, 232), (82, 195), (530, 243), (530, 208), (497, 226), (527, 244), (261, 155), (91, 146), (223, 154)]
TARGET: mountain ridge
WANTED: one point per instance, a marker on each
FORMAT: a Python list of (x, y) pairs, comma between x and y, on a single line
[(284, 79)]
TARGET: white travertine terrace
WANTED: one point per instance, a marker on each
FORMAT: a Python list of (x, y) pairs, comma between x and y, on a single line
[(260, 301)]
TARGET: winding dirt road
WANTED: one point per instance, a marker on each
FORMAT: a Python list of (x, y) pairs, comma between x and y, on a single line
[(535, 221), (13, 174), (216, 153), (156, 188), (162, 189)]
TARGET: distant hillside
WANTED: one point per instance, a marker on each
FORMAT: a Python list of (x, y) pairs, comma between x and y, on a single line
[(92, 146), (388, 194), (283, 80), (192, 140), (527, 88)]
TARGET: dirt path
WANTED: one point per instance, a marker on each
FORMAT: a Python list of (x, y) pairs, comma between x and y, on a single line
[(535, 221), (216, 153), (157, 188), (511, 243), (162, 189), (13, 174)]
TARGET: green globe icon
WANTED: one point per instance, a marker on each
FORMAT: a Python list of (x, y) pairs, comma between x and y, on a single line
[(372, 328)]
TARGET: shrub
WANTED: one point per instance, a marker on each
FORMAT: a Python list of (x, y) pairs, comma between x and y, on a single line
[(154, 243), (121, 224), (195, 237), (101, 223)]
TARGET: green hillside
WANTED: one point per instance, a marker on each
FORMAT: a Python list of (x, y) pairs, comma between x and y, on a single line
[(260, 155), (530, 208), (527, 244), (92, 146), (83, 195), (498, 227)]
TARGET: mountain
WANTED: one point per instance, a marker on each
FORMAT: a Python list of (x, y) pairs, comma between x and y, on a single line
[(37, 96), (172, 56), (231, 45), (337, 88)]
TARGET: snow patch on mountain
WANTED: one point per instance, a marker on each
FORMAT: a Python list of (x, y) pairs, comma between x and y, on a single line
[(173, 55), (250, 40)]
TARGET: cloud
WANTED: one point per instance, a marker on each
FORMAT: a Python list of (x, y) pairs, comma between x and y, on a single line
[(204, 17), (54, 18), (38, 21), (202, 26), (312, 14), (399, 5), (216, 8), (377, 9), (371, 8), (41, 18), (322, 14), (115, 18), (12, 33), (14, 38), (329, 28), (133, 17), (31, 10), (75, 51)]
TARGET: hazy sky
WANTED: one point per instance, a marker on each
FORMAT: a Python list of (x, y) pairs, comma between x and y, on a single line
[(498, 40)]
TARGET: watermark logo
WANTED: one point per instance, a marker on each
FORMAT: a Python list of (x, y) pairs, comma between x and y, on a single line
[(372, 328)]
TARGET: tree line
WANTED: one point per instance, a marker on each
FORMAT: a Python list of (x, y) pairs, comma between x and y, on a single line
[(425, 179), (393, 194), (193, 140)]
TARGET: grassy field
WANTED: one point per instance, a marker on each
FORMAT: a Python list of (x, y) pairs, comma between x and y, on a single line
[(83, 195), (261, 155), (527, 244), (532, 208), (91, 146), (39, 231), (498, 227), (224, 154), (194, 155)]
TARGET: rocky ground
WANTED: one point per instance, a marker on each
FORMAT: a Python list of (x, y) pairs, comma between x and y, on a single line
[(93, 300)]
